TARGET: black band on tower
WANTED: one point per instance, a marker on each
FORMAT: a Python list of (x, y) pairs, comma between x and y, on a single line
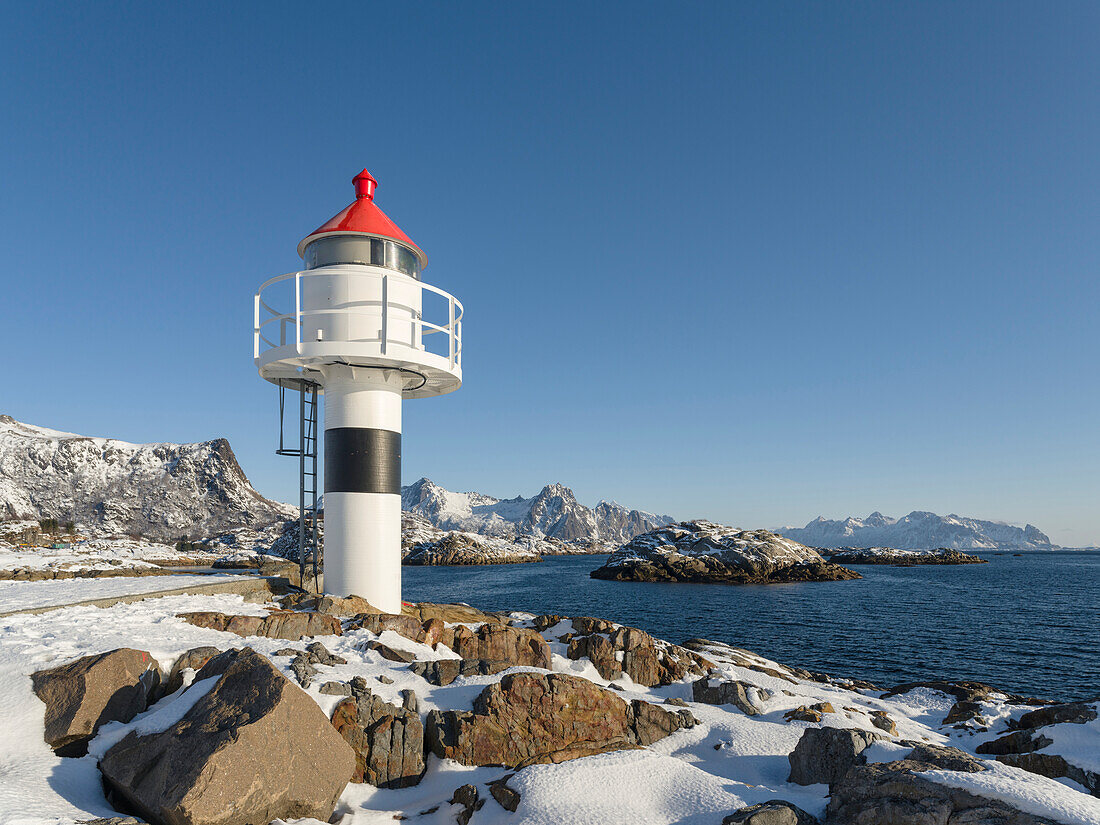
[(362, 460)]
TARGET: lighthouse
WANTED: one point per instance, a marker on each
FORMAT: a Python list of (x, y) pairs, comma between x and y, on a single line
[(358, 325)]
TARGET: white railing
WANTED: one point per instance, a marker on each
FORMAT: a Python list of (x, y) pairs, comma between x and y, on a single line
[(265, 315)]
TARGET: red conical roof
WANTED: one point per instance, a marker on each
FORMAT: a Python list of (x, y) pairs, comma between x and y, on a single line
[(363, 217)]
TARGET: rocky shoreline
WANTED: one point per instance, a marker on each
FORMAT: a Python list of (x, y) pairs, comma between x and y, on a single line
[(385, 700), (706, 553)]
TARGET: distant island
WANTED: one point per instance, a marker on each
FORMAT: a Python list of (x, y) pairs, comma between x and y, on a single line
[(920, 530)]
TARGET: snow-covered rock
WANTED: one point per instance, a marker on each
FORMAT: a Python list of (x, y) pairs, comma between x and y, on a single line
[(701, 551), (553, 513), (917, 531), (109, 487), (900, 558)]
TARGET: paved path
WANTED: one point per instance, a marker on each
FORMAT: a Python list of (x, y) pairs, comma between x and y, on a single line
[(40, 596)]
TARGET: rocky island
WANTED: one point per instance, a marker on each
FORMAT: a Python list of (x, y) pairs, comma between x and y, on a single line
[(457, 547), (898, 558), (704, 552)]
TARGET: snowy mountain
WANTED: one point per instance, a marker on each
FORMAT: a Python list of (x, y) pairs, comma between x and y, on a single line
[(918, 530), (108, 487), (553, 513)]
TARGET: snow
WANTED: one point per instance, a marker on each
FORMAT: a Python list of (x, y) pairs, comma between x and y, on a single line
[(704, 538), (1076, 743), (88, 554), (160, 717), (1027, 791)]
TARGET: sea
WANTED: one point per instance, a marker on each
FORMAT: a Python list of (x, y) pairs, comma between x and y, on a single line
[(1027, 624)]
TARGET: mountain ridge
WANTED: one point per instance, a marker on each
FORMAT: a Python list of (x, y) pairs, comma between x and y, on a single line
[(919, 530)]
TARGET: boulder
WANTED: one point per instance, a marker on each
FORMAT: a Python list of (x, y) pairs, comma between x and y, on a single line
[(388, 741), (254, 748), (896, 793), (450, 613), (772, 812), (809, 713), (1077, 713), (502, 643), (390, 653), (280, 624), (881, 720), (83, 695), (727, 692), (824, 755), (467, 796), (508, 798), (1020, 741), (562, 717)]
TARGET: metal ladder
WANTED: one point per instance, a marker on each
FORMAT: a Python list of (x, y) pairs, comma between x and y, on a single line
[(306, 453)]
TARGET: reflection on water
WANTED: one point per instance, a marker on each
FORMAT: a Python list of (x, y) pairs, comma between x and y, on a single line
[(1028, 624)]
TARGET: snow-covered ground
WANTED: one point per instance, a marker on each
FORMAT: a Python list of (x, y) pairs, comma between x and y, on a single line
[(696, 775), (32, 595), (91, 554)]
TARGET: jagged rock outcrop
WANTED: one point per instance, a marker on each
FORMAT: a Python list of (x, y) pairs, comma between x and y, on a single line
[(81, 696), (700, 551), (388, 741), (617, 649), (502, 643), (749, 699), (562, 717), (254, 748), (109, 487), (918, 530), (469, 548)]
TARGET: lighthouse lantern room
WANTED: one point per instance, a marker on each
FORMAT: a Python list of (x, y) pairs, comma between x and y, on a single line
[(358, 325)]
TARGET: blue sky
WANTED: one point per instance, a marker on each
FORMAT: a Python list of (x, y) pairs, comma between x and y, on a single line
[(753, 262)]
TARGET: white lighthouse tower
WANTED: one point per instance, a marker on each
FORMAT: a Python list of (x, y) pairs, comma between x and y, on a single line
[(360, 326)]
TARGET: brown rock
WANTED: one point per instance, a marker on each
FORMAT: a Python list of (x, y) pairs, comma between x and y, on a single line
[(508, 798), (562, 717), (727, 692), (91, 691), (450, 613), (388, 741), (588, 624), (390, 653), (498, 642), (600, 651), (813, 713), (253, 749), (280, 624), (444, 671), (881, 720)]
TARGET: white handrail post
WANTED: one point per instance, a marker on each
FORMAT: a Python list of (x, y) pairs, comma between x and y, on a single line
[(298, 312), (385, 312), (451, 328), (256, 327)]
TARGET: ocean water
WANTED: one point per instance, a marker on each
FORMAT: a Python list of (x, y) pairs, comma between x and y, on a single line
[(1026, 624)]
